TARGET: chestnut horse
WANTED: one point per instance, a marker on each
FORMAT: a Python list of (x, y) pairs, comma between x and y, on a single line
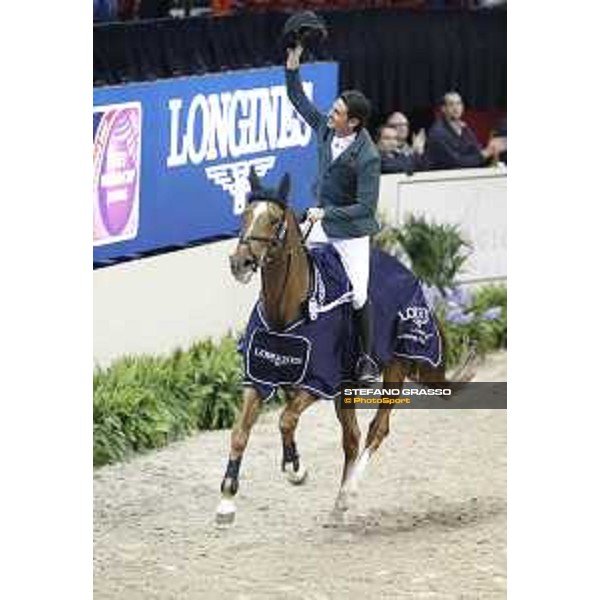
[(271, 242)]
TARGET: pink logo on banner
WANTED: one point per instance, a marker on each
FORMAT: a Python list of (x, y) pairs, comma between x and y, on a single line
[(117, 148)]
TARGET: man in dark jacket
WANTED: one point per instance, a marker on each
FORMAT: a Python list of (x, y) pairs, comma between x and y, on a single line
[(347, 193), (451, 143)]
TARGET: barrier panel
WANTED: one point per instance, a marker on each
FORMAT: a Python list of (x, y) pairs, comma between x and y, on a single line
[(172, 157), (473, 199), (154, 305)]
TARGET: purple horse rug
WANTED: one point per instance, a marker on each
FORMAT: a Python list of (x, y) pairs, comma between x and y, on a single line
[(318, 351)]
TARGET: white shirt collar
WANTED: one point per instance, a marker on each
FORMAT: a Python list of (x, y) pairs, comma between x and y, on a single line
[(339, 144)]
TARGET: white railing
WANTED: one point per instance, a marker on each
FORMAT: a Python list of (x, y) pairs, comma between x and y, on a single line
[(473, 199), (157, 304)]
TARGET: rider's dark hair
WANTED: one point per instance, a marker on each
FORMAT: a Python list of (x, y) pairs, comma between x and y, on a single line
[(358, 107)]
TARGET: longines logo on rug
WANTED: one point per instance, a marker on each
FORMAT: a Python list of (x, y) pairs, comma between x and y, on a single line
[(277, 359), (230, 125), (418, 314)]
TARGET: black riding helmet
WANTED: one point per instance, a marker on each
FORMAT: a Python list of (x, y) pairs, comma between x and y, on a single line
[(305, 28)]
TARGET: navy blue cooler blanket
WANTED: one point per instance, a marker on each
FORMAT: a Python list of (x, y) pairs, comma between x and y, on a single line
[(319, 351)]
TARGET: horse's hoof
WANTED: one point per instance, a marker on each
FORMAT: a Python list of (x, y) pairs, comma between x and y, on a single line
[(337, 518), (225, 514), (342, 502), (296, 477)]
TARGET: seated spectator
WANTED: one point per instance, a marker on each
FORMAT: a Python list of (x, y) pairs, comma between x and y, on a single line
[(397, 155), (452, 143), (387, 144)]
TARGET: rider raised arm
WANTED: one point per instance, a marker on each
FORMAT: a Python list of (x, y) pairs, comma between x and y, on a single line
[(349, 167), (310, 113)]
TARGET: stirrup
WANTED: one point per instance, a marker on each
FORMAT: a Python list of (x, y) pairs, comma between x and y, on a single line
[(367, 370)]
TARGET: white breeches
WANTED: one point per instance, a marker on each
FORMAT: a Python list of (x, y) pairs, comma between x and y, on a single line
[(355, 254)]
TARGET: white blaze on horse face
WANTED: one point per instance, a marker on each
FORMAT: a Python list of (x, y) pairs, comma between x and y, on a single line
[(259, 208)]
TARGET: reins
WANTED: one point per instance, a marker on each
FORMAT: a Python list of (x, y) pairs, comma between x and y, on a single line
[(282, 239), (305, 236)]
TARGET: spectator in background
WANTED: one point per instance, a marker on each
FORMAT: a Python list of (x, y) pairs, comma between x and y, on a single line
[(452, 143), (400, 122), (387, 144), (397, 155)]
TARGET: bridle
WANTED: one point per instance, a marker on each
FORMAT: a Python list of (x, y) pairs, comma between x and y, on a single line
[(276, 241)]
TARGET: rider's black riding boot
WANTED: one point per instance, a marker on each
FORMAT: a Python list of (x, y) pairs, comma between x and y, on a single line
[(366, 370)]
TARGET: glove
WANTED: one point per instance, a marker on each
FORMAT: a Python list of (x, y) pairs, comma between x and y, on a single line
[(315, 214)]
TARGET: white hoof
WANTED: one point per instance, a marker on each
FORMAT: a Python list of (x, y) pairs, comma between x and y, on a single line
[(342, 502), (296, 477), (225, 514)]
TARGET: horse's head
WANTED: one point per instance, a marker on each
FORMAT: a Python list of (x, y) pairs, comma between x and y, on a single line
[(264, 227)]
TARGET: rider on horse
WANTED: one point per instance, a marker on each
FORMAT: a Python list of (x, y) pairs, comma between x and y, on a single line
[(347, 191)]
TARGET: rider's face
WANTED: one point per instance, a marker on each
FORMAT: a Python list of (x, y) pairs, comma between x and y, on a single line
[(337, 118)]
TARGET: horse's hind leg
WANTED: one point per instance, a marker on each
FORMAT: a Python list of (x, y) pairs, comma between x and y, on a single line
[(379, 428), (298, 402), (239, 439)]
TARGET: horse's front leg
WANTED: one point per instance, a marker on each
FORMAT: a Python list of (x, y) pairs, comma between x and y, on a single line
[(346, 415), (297, 402), (239, 439)]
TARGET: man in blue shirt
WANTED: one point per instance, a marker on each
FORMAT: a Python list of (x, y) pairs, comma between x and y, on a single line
[(452, 144)]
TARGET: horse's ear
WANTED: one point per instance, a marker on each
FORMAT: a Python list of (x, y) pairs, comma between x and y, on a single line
[(284, 187), (254, 180)]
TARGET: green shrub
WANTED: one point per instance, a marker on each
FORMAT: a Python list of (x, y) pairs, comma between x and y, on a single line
[(146, 402), (435, 252), (469, 323)]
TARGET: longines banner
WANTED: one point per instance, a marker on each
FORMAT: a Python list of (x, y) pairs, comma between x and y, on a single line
[(171, 157)]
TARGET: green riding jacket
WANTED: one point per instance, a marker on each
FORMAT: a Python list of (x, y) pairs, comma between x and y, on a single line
[(347, 188)]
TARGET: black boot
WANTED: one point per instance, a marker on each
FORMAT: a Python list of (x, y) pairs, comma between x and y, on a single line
[(366, 370)]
